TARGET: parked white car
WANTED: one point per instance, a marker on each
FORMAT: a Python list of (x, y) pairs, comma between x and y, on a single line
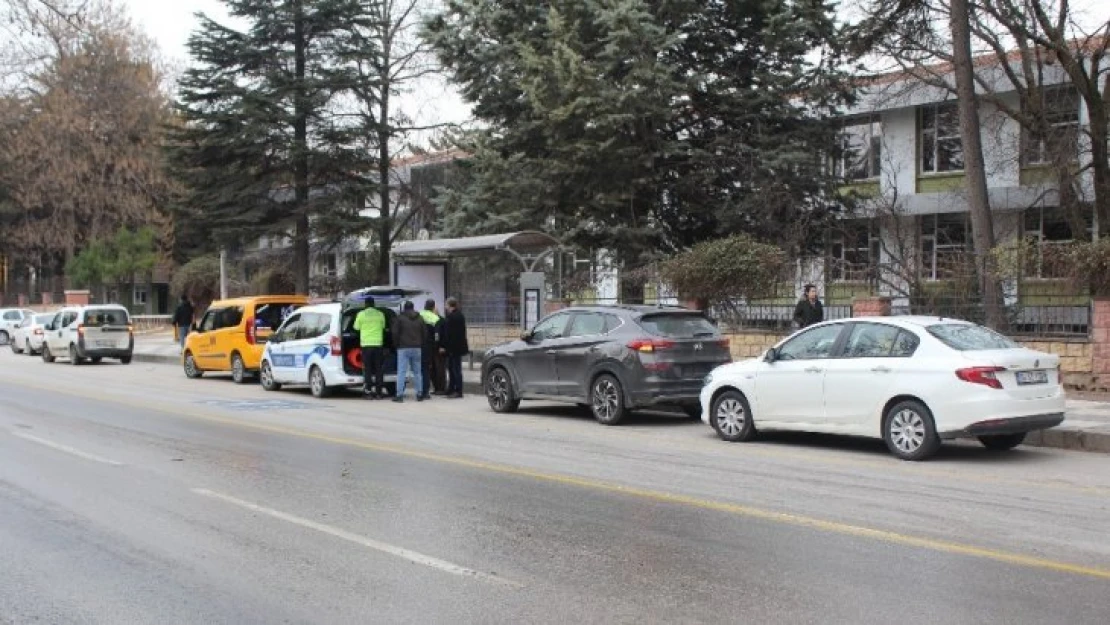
[(28, 337), (81, 333), (10, 318), (912, 381)]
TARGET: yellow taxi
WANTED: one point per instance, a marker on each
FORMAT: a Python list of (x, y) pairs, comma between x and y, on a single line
[(233, 332)]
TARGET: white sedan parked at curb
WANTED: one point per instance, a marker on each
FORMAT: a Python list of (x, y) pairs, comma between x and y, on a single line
[(911, 381)]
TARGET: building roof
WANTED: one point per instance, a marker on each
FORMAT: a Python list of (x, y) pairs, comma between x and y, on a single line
[(523, 243)]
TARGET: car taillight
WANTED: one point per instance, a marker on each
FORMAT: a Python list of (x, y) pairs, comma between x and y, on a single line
[(987, 376), (723, 343), (38, 331), (336, 346), (250, 331), (648, 346)]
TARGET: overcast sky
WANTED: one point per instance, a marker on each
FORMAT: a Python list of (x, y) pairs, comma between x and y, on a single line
[(171, 23)]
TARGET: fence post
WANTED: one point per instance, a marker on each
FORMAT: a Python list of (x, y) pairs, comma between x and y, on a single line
[(871, 307)]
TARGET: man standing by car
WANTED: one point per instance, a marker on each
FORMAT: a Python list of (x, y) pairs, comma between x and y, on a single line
[(183, 318), (453, 343), (809, 310), (409, 332), (433, 374), (370, 324)]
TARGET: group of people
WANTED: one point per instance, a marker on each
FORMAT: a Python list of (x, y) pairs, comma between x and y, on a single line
[(423, 341)]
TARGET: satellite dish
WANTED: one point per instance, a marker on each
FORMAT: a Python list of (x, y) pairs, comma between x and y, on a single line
[(423, 235)]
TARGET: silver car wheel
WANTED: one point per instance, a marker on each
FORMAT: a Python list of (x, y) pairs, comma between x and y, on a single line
[(316, 382), (498, 389), (907, 430), (606, 399), (266, 376), (731, 417), (238, 369)]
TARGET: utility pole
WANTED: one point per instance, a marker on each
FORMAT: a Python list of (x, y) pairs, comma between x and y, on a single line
[(223, 273)]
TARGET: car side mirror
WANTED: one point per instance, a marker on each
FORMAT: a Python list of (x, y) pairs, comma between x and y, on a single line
[(771, 355), (527, 336)]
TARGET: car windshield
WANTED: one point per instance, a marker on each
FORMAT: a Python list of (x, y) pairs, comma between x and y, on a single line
[(97, 317), (678, 326), (271, 315), (970, 337)]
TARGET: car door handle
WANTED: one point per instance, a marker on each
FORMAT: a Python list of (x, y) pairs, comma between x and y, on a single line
[(881, 369), (551, 352), (813, 370)]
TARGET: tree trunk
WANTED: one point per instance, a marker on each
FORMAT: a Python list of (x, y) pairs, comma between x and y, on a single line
[(1100, 163), (385, 217), (982, 227), (300, 145)]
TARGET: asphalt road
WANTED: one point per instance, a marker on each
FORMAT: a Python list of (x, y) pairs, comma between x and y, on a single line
[(129, 494)]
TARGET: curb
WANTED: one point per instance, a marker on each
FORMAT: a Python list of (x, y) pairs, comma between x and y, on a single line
[(1077, 440)]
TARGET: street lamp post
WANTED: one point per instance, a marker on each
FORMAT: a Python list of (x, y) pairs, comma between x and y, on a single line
[(223, 273)]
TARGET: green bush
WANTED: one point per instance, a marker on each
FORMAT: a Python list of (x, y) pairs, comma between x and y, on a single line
[(722, 271), (199, 279)]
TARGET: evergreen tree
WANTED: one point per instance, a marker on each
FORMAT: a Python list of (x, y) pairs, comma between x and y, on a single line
[(263, 145), (643, 126)]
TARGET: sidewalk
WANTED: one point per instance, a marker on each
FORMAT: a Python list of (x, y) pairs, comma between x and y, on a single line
[(1087, 427)]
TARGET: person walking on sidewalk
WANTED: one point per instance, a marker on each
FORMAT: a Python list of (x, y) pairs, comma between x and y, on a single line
[(370, 324), (809, 310), (453, 343), (432, 373), (183, 319), (409, 331)]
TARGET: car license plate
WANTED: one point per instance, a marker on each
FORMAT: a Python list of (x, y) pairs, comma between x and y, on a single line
[(1032, 377), (105, 343)]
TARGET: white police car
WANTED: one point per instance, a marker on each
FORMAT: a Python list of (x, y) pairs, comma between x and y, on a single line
[(318, 346)]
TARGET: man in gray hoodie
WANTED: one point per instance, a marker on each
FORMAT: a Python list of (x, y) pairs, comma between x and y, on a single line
[(408, 339)]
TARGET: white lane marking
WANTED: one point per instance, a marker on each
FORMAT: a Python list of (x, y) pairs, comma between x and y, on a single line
[(67, 449), (400, 552)]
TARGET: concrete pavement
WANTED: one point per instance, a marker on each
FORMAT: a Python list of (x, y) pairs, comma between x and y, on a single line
[(1087, 427), (130, 494)]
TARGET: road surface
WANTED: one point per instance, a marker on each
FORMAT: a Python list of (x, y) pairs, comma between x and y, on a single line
[(129, 494)]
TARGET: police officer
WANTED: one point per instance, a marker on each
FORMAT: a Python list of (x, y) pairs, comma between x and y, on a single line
[(433, 372), (370, 324)]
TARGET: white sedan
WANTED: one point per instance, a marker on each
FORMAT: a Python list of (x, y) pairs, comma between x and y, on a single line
[(912, 381), (27, 338)]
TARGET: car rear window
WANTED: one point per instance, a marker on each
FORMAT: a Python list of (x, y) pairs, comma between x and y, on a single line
[(43, 319), (270, 316), (98, 317), (678, 326), (969, 337)]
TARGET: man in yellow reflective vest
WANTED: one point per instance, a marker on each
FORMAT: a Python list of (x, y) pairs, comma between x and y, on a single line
[(430, 361), (370, 324)]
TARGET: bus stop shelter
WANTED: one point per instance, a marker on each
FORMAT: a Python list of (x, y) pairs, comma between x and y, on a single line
[(424, 263)]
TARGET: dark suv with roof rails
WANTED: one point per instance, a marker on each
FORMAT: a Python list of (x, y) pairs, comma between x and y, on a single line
[(611, 358)]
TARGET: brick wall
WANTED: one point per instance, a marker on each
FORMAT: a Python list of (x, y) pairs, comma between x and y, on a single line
[(745, 345)]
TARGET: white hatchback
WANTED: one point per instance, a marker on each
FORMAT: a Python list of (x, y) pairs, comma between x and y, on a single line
[(911, 381)]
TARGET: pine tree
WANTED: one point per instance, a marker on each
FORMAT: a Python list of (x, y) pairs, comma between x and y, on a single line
[(643, 126), (263, 145)]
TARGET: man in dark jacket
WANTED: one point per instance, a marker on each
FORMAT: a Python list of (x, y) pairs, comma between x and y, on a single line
[(453, 343), (183, 318), (433, 366), (408, 339), (809, 310)]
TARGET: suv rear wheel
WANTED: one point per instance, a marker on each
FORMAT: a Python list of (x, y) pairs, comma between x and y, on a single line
[(317, 383), (607, 400)]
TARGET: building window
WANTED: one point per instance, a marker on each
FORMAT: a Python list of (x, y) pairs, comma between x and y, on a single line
[(139, 296), (944, 245), (854, 252), (941, 147), (1061, 114), (328, 265), (861, 142), (1048, 229)]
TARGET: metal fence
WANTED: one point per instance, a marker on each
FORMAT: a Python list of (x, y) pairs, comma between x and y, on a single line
[(1029, 316)]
